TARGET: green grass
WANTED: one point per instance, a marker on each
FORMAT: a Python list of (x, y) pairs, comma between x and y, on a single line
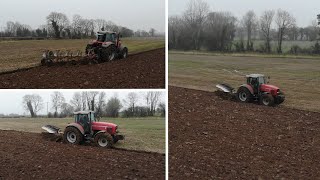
[(147, 134), (298, 78), (27, 53)]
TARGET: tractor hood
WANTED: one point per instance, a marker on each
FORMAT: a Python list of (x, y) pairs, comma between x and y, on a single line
[(269, 88), (102, 126)]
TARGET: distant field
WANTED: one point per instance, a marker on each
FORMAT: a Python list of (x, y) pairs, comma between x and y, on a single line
[(27, 53), (298, 78), (147, 134)]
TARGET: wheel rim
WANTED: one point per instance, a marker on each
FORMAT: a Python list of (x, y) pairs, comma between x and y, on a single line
[(242, 96), (71, 137), (265, 101), (125, 55), (103, 142)]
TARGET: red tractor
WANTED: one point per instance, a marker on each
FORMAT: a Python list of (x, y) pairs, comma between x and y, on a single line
[(256, 89), (107, 47), (86, 128)]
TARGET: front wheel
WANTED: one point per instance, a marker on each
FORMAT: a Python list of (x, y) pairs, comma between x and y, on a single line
[(267, 100), (103, 140)]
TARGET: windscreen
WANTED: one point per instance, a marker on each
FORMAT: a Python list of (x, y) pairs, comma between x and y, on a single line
[(101, 37)]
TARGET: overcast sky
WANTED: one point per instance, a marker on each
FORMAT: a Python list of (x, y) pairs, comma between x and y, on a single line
[(303, 10), (11, 100), (134, 14)]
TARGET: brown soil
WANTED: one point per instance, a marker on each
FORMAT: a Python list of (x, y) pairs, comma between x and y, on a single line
[(28, 156), (213, 138), (144, 70)]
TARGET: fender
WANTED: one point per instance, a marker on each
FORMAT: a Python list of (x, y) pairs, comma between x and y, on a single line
[(122, 47), (99, 132), (248, 87), (78, 126)]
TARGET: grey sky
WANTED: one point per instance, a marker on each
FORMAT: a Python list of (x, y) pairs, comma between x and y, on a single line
[(11, 100), (134, 14), (303, 11)]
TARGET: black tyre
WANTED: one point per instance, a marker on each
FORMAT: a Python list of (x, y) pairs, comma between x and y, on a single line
[(244, 95), (103, 140), (72, 135), (102, 55), (124, 53), (267, 100), (111, 50)]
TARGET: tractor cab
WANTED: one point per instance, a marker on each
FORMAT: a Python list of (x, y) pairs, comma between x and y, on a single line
[(108, 36), (255, 80), (85, 119)]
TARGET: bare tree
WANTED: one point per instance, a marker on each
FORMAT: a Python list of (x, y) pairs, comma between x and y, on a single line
[(152, 31), (195, 16), (162, 109), (76, 101), (58, 21), (113, 107), (32, 103), (265, 24), (57, 99), (100, 105), (66, 110), (249, 21), (100, 24), (284, 21), (131, 102), (152, 99)]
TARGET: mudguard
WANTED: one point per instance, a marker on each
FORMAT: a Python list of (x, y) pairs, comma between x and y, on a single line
[(248, 87), (122, 47), (78, 126)]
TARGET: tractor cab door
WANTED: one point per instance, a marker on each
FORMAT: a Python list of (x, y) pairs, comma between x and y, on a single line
[(84, 121), (254, 83)]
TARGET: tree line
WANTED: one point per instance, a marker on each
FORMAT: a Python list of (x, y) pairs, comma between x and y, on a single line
[(97, 101), (199, 28), (59, 26)]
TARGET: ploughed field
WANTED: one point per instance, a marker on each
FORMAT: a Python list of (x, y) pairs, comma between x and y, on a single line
[(213, 138), (143, 70), (25, 155)]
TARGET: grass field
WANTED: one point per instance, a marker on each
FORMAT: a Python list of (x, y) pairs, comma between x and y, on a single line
[(147, 134), (27, 53), (298, 78)]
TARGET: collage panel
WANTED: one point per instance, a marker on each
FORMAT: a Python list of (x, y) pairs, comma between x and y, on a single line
[(70, 45), (75, 134), (244, 100)]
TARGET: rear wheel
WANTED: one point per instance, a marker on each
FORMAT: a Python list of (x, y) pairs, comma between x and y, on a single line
[(103, 140), (124, 53), (267, 100), (72, 135), (111, 53), (244, 95)]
